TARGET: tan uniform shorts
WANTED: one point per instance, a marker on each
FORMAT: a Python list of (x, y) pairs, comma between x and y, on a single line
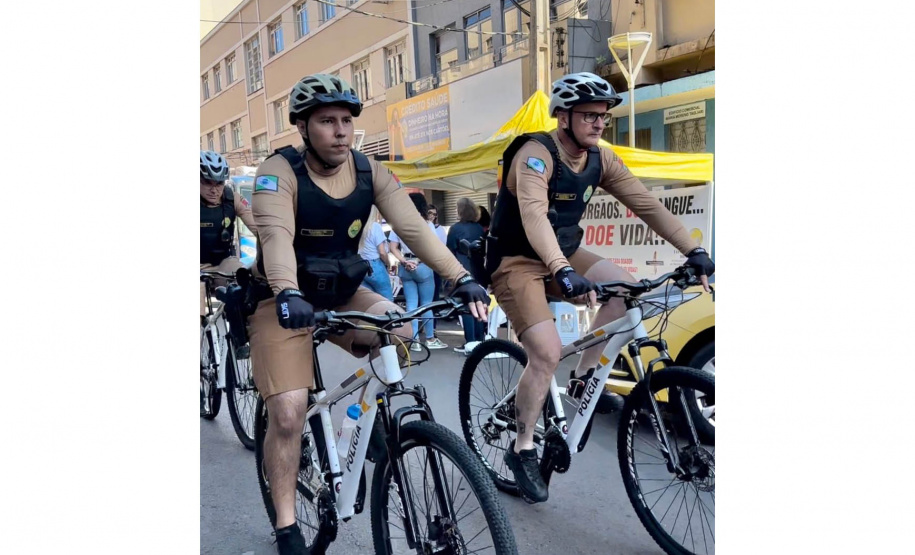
[(284, 359), (521, 292)]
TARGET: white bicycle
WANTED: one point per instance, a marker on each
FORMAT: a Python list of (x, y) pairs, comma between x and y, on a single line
[(666, 439), (430, 494), (225, 364)]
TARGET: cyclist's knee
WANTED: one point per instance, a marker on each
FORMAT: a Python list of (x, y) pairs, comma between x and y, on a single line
[(286, 412), (541, 341), (605, 270)]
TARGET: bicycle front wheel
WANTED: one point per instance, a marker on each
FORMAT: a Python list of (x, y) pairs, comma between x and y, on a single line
[(445, 496), (677, 507), (241, 395), (210, 394)]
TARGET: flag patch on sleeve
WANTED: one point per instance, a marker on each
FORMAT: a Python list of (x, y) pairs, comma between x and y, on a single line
[(266, 183)]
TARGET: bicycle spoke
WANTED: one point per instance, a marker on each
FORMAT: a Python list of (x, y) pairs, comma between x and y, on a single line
[(668, 507), (648, 455), (665, 488)]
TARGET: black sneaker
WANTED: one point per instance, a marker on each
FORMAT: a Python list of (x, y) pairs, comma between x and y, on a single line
[(289, 541), (526, 468), (577, 385)]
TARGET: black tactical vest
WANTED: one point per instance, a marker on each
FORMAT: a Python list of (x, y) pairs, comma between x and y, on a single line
[(217, 230), (327, 233), (568, 194)]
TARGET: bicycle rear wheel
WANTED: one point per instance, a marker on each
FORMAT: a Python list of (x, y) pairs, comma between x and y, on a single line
[(315, 510), (676, 507), (210, 394), (241, 395), (451, 498), (490, 373)]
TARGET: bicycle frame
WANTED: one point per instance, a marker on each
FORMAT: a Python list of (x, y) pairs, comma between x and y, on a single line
[(626, 330), (620, 332), (217, 330)]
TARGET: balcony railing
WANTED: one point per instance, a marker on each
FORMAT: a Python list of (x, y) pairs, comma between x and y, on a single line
[(513, 51)]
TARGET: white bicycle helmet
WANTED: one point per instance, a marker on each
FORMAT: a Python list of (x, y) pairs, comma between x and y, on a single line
[(581, 88), (213, 166)]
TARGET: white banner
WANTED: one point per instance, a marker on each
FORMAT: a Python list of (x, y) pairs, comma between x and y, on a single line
[(688, 111), (615, 233)]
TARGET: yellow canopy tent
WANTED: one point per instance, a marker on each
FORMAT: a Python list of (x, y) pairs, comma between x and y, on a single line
[(474, 168)]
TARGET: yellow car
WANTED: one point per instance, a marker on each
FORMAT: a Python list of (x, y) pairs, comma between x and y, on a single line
[(690, 336)]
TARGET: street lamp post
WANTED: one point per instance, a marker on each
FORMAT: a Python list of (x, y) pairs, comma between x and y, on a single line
[(627, 42)]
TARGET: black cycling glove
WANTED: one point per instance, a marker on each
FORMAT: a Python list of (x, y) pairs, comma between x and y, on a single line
[(698, 258), (572, 284), (293, 311), (468, 291)]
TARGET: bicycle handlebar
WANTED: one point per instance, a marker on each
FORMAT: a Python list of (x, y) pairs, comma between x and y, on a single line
[(329, 319), (682, 276), (213, 274)]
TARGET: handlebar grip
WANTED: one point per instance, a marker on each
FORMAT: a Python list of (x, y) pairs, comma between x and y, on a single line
[(322, 317)]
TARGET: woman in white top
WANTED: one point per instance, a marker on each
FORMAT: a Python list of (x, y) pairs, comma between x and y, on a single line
[(375, 251)]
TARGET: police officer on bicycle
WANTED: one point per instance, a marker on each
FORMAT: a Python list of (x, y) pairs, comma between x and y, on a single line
[(535, 235), (311, 204), (219, 207)]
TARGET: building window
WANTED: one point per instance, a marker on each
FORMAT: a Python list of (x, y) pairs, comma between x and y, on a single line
[(230, 68), (236, 134), (477, 44), (685, 136), (518, 24), (444, 59), (328, 11), (222, 139), (275, 31), (253, 64), (642, 138), (395, 56), (210, 141), (361, 75), (259, 146), (280, 114), (205, 83), (217, 78), (301, 20)]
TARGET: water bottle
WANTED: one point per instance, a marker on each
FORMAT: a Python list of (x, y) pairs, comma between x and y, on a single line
[(346, 431)]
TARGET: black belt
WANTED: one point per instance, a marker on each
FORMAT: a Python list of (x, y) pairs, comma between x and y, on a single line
[(411, 256)]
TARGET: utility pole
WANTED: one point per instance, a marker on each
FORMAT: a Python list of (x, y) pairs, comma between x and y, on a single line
[(540, 46)]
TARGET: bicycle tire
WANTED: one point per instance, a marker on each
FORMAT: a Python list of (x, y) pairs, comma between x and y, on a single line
[(670, 377), (514, 352), (705, 428), (324, 536), (210, 394), (242, 423), (434, 436)]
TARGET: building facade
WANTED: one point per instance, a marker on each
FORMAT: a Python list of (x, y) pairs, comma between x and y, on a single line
[(252, 58)]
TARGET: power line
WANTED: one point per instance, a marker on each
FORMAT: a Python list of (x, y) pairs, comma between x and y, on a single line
[(418, 24)]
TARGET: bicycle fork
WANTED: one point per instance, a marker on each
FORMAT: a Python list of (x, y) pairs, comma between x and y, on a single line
[(671, 457), (402, 488)]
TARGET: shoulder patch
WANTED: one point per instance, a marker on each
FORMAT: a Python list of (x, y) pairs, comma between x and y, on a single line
[(266, 183), (245, 203), (536, 164)]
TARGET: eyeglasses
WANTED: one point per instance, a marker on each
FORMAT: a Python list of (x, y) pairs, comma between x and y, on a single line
[(591, 117)]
